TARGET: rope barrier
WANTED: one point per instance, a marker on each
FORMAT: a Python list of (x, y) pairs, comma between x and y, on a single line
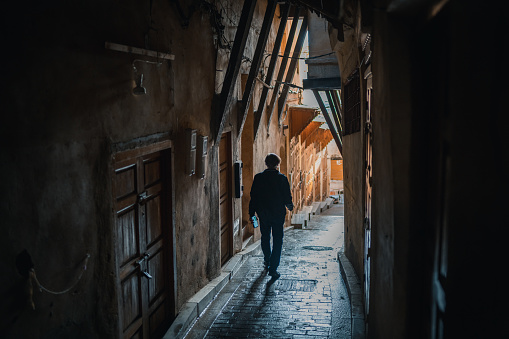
[(33, 277)]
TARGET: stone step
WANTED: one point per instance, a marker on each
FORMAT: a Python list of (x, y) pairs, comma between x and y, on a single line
[(315, 208), (307, 210), (299, 220)]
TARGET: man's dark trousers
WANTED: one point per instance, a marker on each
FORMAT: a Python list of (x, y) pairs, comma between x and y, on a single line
[(274, 225)]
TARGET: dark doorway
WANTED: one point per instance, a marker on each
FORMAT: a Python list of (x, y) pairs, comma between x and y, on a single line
[(225, 197)]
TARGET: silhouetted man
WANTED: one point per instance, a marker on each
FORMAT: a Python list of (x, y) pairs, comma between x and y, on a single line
[(270, 196)]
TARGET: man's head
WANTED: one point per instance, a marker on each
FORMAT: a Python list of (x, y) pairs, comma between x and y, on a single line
[(272, 160)]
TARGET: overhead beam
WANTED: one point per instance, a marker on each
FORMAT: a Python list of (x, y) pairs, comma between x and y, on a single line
[(292, 13), (270, 72), (328, 9), (255, 64), (282, 68), (337, 101), (293, 66), (333, 130), (232, 72), (322, 84), (335, 112)]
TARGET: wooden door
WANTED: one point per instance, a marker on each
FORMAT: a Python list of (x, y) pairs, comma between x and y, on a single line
[(142, 202), (368, 139), (225, 197)]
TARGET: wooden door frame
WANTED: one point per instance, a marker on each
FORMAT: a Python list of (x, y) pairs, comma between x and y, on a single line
[(123, 152), (368, 200)]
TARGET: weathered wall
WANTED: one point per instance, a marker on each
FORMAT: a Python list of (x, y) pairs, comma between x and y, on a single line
[(264, 143), (390, 206), (424, 108), (347, 53), (70, 102), (391, 121), (71, 108)]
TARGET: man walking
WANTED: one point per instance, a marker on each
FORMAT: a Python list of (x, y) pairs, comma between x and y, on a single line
[(270, 196)]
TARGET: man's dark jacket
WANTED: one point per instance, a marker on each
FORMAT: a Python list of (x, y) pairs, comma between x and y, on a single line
[(270, 193)]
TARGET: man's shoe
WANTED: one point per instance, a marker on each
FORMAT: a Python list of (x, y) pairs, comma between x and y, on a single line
[(275, 275)]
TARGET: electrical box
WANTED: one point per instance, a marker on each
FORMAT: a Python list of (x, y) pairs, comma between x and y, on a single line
[(201, 153), (190, 151), (239, 188)]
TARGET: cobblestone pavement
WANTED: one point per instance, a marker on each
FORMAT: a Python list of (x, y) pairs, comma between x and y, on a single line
[(309, 300)]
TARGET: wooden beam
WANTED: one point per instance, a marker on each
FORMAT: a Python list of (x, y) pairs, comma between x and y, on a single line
[(239, 44), (139, 51), (335, 135), (334, 111), (255, 64), (282, 68), (270, 72), (293, 66), (337, 104)]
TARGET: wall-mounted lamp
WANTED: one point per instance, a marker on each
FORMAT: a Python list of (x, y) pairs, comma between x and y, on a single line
[(139, 89)]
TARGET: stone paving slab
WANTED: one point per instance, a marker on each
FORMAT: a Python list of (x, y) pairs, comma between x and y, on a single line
[(310, 300), (197, 304)]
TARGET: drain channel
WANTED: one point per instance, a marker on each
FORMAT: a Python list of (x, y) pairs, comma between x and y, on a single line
[(318, 248)]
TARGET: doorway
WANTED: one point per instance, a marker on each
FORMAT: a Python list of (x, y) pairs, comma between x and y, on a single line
[(247, 145), (142, 203), (225, 197)]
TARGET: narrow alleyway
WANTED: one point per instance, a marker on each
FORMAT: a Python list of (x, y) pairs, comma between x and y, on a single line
[(308, 300)]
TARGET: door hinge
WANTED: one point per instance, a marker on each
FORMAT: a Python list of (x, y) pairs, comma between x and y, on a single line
[(368, 127), (366, 223)]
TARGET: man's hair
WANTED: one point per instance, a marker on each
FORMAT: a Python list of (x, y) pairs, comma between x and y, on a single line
[(272, 160)]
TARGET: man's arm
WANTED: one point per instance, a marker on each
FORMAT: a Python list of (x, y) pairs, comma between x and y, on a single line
[(254, 197), (287, 194)]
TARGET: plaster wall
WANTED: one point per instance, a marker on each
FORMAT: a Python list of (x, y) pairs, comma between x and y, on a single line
[(326, 66), (391, 120), (70, 108), (347, 53), (69, 111), (425, 223)]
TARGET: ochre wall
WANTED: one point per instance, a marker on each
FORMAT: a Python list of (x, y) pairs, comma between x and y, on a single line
[(336, 169)]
